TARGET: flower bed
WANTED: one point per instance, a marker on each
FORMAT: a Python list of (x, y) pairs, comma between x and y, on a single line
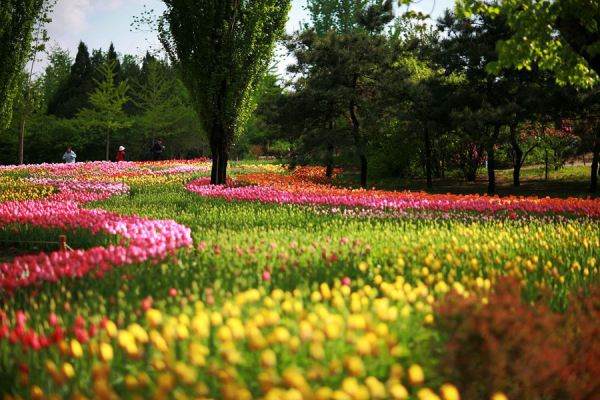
[(300, 302), (297, 189), (141, 239)]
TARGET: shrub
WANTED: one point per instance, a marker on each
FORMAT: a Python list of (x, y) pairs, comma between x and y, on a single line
[(525, 350)]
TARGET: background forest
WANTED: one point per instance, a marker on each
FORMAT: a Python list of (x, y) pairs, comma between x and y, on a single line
[(379, 92)]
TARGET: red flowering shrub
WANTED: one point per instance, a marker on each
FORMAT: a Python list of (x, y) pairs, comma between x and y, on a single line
[(525, 350)]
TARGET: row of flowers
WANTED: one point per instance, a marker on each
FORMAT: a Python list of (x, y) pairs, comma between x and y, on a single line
[(141, 239), (297, 189)]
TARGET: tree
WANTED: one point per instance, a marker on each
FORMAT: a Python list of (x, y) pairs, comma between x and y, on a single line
[(348, 16), (485, 103), (339, 16), (107, 101), (157, 98), (113, 57), (562, 36), (39, 39), (414, 90), (73, 95), (56, 73), (339, 72), (342, 70), (262, 132), (222, 49), (17, 20), (312, 120)]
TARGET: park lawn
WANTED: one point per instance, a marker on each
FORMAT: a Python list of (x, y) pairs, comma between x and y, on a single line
[(569, 181)]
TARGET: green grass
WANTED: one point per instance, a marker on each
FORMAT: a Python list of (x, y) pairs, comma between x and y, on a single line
[(569, 181)]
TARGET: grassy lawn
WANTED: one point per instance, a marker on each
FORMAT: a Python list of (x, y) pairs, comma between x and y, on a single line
[(569, 181)]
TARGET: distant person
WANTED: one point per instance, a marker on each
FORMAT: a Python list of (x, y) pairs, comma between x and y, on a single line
[(120, 154), (69, 157), (157, 150)]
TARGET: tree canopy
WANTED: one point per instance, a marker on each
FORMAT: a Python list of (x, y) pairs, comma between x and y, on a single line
[(222, 48), (17, 19), (562, 36), (106, 104)]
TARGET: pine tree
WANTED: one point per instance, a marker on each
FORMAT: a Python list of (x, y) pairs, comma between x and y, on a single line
[(113, 57), (106, 105), (74, 93)]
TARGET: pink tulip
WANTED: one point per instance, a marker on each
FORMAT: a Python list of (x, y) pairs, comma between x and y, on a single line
[(266, 276)]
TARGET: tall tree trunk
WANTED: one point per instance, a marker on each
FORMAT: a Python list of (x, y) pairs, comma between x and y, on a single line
[(360, 145), (220, 159), (428, 166), (595, 164), (546, 164), (22, 140), (214, 172), (108, 145), (491, 153), (223, 162), (329, 161), (363, 171), (517, 156)]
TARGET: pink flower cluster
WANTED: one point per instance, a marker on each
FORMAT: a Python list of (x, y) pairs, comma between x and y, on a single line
[(331, 196), (103, 169), (142, 239), (82, 191)]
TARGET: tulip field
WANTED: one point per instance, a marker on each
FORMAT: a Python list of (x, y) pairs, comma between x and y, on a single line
[(142, 281)]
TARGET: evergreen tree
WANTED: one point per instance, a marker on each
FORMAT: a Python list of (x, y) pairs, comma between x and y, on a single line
[(484, 103), (130, 72), (17, 19), (338, 15), (157, 99), (342, 69), (106, 105), (73, 95), (113, 58), (146, 61), (97, 60), (347, 16)]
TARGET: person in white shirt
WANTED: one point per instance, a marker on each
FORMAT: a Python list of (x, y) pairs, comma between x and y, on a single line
[(69, 157)]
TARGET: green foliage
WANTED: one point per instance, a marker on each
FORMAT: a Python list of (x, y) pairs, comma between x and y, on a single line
[(73, 94), (17, 19), (561, 36), (57, 72), (340, 16), (348, 16), (107, 101), (164, 109), (222, 49)]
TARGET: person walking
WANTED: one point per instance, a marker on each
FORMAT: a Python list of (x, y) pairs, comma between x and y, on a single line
[(157, 150), (120, 154), (69, 157)]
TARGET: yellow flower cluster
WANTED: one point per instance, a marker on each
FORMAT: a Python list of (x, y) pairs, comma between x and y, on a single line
[(331, 343), (20, 189)]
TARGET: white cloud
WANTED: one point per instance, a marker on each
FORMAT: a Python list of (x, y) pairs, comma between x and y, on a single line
[(69, 18)]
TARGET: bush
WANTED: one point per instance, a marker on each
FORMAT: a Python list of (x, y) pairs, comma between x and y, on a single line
[(525, 350)]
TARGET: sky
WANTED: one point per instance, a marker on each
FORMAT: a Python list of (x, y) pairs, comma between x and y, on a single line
[(100, 22)]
